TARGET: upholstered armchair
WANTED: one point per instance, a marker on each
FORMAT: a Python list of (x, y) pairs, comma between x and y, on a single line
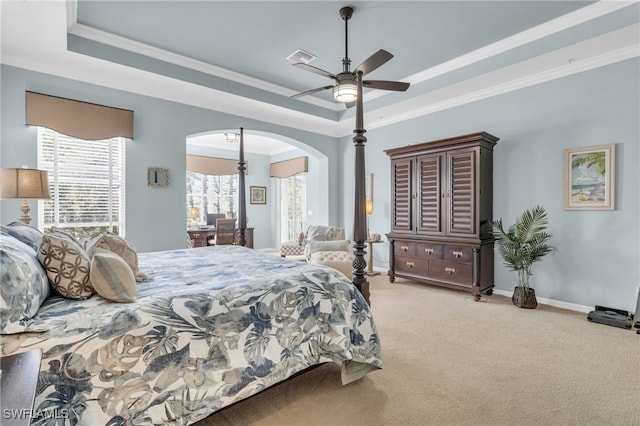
[(326, 245)]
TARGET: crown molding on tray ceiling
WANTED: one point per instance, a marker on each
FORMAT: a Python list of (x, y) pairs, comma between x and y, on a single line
[(561, 23)]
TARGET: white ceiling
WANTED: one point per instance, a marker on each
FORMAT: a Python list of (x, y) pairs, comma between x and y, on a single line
[(231, 55)]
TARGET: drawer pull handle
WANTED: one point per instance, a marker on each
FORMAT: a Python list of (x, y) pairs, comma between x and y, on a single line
[(457, 253), (428, 250), (196, 235), (450, 270), (410, 264), (404, 248)]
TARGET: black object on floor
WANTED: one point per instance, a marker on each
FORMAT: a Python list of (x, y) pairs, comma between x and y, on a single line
[(611, 316)]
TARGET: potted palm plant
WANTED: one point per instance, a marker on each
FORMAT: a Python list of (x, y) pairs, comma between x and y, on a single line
[(524, 243)]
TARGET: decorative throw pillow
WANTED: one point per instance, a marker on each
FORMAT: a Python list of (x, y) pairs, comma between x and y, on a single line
[(25, 233), (112, 277), (336, 245), (24, 285), (66, 264), (116, 244)]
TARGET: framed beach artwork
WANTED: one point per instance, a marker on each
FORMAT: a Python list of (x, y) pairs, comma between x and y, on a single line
[(589, 178)]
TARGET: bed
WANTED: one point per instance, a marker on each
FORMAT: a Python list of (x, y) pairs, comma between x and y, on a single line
[(203, 334), (209, 327)]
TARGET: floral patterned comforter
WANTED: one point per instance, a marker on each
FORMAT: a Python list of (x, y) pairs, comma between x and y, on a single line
[(212, 326)]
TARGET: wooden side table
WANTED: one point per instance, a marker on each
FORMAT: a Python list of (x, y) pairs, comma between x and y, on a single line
[(18, 386), (370, 270)]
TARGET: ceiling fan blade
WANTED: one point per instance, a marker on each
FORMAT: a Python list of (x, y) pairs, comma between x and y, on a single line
[(308, 92), (397, 86), (315, 70), (374, 61), (350, 104)]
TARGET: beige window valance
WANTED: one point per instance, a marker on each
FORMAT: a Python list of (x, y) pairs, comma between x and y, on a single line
[(82, 120), (288, 168), (213, 166)]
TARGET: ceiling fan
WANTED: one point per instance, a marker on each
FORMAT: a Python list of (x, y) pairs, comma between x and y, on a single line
[(345, 87)]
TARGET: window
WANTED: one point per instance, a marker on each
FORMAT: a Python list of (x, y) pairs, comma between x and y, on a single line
[(210, 194), (86, 182), (292, 206)]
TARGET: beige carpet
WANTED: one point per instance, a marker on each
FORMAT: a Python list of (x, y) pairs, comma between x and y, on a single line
[(451, 361)]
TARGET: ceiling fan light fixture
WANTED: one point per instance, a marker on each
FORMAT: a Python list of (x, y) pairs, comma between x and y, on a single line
[(232, 137), (345, 92)]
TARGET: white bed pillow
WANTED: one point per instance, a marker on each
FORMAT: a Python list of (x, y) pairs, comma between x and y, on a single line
[(66, 264), (112, 278)]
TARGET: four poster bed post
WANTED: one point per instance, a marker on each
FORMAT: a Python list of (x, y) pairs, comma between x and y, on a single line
[(359, 211), (242, 203), (359, 279)]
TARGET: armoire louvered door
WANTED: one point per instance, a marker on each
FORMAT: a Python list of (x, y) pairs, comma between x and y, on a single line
[(442, 213), (402, 171), (429, 194), (461, 191)]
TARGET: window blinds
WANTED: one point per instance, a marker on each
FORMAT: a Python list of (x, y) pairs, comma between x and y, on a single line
[(86, 181)]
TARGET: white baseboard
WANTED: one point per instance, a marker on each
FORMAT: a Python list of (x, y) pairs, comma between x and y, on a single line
[(551, 302)]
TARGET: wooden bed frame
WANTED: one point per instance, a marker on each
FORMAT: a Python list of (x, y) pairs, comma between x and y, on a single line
[(359, 278)]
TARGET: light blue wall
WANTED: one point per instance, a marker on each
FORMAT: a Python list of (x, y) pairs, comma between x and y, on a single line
[(155, 216), (598, 252)]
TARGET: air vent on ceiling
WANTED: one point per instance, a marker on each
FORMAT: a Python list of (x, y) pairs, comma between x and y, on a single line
[(300, 56)]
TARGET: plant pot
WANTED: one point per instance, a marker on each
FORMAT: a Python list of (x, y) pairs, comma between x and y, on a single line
[(524, 297)]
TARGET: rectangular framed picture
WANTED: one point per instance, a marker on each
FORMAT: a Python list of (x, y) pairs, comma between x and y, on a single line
[(258, 195), (589, 178)]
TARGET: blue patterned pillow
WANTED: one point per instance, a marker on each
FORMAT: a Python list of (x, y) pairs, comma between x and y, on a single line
[(24, 285), (27, 234)]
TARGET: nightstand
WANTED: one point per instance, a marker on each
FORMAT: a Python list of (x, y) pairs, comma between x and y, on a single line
[(370, 270), (18, 386)]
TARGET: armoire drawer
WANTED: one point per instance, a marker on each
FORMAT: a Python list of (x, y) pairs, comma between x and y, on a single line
[(451, 271), (428, 251), (457, 254), (411, 265), (404, 248)]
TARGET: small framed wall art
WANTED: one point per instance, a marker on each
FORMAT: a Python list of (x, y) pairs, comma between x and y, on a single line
[(589, 178), (258, 195), (157, 177)]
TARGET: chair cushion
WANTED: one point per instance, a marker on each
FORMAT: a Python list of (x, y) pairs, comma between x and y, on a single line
[(315, 246), (339, 260)]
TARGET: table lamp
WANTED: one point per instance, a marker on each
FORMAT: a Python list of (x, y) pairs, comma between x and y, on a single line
[(195, 214), (369, 210), (25, 184)]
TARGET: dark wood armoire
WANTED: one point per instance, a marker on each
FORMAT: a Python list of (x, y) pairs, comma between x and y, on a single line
[(441, 213)]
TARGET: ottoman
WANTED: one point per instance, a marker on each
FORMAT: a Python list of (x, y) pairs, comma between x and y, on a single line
[(340, 260)]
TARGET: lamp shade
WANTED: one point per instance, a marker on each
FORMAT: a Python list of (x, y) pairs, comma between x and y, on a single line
[(345, 92), (369, 206), (194, 213), (24, 184)]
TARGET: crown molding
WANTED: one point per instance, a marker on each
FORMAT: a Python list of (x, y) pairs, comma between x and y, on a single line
[(113, 40)]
